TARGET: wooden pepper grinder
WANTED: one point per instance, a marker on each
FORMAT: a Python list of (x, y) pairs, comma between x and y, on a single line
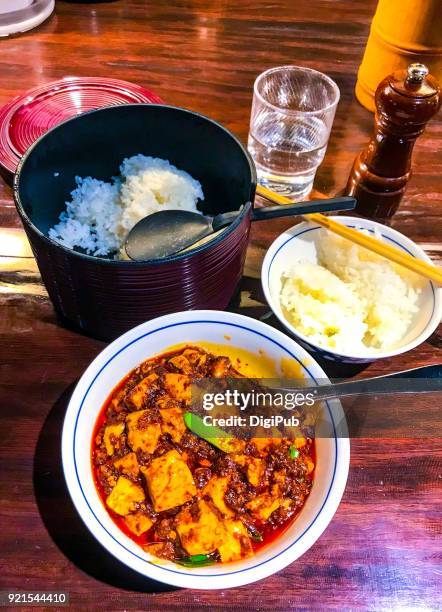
[(405, 101)]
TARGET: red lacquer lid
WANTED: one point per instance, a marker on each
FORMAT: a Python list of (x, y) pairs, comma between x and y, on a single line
[(27, 117)]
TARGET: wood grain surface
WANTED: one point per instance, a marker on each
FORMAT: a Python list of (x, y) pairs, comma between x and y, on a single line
[(382, 549)]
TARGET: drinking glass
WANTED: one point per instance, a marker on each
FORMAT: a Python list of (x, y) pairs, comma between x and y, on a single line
[(292, 114)]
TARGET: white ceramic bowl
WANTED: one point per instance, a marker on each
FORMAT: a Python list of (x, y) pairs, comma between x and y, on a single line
[(298, 243), (154, 337)]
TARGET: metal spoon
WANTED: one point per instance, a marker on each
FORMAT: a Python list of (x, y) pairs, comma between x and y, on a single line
[(168, 232), (426, 379)]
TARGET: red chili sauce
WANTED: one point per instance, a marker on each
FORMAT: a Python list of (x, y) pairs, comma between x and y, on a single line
[(175, 494)]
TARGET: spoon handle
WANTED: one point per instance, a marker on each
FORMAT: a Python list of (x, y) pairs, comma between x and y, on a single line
[(304, 208), (419, 380)]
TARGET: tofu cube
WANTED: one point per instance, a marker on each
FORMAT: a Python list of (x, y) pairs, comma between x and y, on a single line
[(199, 528), (240, 459), (280, 479), (263, 505), (236, 542), (169, 481), (309, 465), (111, 432), (177, 386), (128, 465), (255, 471), (196, 358), (300, 441), (124, 496), (216, 489), (173, 423), (138, 523), (141, 434), (230, 445), (220, 367), (137, 396), (181, 364)]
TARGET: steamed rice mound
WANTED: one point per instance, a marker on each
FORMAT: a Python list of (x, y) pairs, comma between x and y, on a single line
[(352, 299), (100, 214), (322, 307)]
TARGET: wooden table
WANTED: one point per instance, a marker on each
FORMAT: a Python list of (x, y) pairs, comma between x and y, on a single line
[(382, 549)]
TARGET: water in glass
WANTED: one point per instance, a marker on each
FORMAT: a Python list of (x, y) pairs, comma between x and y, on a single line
[(287, 151)]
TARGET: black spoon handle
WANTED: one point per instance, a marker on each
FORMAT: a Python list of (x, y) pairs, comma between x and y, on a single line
[(418, 380), (302, 208)]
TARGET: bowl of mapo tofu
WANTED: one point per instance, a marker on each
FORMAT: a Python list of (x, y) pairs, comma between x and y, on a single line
[(175, 505)]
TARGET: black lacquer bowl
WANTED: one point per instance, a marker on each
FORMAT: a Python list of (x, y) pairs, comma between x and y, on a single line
[(104, 297)]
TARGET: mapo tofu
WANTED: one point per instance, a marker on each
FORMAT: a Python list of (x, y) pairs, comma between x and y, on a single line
[(172, 492)]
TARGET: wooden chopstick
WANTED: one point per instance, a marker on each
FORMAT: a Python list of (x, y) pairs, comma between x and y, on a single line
[(391, 253)]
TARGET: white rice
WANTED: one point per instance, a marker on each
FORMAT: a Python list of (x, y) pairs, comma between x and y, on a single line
[(352, 299), (322, 307), (100, 214)]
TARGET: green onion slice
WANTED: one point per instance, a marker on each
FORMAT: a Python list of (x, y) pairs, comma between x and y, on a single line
[(196, 560), (293, 451), (214, 435)]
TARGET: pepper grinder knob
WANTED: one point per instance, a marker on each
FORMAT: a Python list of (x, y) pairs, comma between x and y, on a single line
[(416, 73)]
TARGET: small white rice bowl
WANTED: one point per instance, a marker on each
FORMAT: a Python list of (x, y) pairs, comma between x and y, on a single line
[(100, 214), (355, 308)]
